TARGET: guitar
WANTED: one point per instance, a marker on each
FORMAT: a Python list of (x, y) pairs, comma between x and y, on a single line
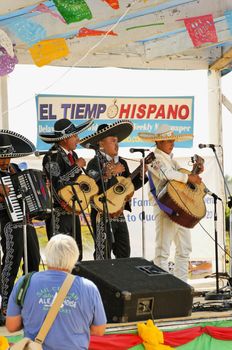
[(186, 200), (85, 188), (118, 194)]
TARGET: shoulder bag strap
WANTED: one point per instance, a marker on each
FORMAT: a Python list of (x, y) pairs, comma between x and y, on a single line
[(52, 313)]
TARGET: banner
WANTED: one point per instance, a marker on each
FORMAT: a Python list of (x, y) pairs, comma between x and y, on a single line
[(146, 113)]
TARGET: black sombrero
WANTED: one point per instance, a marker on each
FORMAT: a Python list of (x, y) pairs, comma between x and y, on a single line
[(121, 129), (63, 129), (14, 145)]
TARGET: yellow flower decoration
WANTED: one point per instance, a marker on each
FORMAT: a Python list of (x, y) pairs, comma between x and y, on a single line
[(152, 337), (4, 345)]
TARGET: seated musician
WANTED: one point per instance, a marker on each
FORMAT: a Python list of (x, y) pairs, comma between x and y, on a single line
[(165, 168), (107, 138), (13, 145), (63, 167)]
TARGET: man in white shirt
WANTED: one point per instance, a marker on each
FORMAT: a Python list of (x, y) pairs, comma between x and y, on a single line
[(163, 169)]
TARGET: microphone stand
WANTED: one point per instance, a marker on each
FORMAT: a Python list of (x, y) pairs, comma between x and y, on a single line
[(75, 198), (216, 295), (143, 212), (219, 295), (106, 216), (22, 195), (52, 196)]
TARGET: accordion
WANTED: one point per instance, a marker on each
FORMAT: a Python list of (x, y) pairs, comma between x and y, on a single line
[(31, 185)]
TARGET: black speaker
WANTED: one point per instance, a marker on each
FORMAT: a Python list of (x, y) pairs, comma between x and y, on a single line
[(135, 289)]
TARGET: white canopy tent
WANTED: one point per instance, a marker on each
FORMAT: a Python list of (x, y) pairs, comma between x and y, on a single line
[(150, 35)]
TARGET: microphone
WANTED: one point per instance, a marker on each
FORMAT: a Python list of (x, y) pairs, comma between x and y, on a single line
[(90, 146), (210, 145), (133, 150), (42, 153), (207, 191)]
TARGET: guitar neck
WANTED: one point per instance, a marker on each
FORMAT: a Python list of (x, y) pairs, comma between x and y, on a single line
[(135, 172)]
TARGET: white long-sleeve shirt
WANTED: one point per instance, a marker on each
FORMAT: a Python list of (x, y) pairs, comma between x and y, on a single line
[(163, 169)]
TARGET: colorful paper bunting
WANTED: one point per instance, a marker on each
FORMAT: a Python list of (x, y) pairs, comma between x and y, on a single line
[(28, 31), (73, 10), (7, 63), (201, 29), (83, 32), (228, 15), (45, 9), (47, 51), (6, 43), (113, 3)]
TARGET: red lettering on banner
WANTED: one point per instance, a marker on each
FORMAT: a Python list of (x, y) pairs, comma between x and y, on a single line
[(151, 109), (172, 112), (124, 110), (160, 112), (141, 111), (133, 111), (183, 112)]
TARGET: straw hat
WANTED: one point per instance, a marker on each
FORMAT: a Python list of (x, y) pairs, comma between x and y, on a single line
[(121, 129), (164, 133), (63, 129), (14, 145)]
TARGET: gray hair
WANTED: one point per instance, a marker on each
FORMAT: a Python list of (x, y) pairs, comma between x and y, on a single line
[(61, 252)]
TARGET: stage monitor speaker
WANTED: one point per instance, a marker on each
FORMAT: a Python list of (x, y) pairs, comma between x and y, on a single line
[(134, 289)]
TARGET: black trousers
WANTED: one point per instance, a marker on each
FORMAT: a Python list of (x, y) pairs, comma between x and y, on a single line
[(106, 242), (13, 251), (64, 225)]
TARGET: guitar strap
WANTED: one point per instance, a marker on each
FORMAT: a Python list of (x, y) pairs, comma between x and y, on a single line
[(162, 206)]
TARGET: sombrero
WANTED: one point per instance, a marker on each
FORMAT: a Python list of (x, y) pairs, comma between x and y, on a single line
[(121, 129), (14, 145), (164, 133), (63, 129)]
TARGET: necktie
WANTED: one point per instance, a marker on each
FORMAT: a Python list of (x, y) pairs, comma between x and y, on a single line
[(71, 159)]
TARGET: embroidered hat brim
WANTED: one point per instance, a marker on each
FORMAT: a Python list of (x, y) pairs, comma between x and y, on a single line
[(19, 146), (151, 137), (121, 129), (60, 135)]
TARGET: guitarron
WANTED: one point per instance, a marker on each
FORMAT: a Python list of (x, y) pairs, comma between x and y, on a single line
[(186, 200)]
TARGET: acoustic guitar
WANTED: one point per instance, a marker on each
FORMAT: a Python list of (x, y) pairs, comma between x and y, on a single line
[(119, 193), (85, 188), (186, 200)]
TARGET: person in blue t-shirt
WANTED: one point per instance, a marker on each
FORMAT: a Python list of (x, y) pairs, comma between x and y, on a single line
[(82, 312)]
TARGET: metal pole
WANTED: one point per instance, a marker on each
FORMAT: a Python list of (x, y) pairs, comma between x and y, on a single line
[(25, 237)]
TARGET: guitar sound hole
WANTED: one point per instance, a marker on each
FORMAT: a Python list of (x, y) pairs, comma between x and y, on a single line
[(119, 189), (192, 186), (84, 187)]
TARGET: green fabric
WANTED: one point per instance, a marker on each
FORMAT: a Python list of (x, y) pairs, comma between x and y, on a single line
[(73, 10), (205, 342)]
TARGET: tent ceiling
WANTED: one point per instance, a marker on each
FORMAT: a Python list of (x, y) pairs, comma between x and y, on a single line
[(150, 34)]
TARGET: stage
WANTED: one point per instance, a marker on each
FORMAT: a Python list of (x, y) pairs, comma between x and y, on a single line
[(118, 335)]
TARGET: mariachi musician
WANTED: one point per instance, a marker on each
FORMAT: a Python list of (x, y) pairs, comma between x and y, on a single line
[(164, 168), (62, 166), (13, 145), (107, 139)]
